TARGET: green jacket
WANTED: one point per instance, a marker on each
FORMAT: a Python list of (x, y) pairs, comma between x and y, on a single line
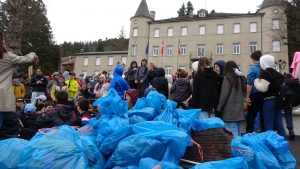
[(73, 87)]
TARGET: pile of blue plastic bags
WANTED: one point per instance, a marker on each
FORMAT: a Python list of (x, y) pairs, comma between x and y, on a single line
[(152, 135)]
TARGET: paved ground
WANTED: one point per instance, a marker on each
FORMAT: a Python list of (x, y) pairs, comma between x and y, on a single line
[(295, 149)]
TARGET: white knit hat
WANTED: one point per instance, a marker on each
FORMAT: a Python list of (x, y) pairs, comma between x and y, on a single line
[(267, 61)]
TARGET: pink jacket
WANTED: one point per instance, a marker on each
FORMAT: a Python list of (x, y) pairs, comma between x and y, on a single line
[(296, 65)]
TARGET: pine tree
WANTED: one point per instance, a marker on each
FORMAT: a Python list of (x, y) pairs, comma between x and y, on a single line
[(182, 10), (189, 6), (122, 33)]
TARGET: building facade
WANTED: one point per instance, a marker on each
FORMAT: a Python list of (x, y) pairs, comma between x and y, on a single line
[(218, 36), (91, 63)]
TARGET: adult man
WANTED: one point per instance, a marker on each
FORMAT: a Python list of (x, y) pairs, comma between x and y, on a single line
[(52, 82), (254, 98), (72, 85), (38, 83)]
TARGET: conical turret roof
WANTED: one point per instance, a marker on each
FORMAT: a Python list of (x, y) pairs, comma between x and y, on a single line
[(143, 9), (267, 3)]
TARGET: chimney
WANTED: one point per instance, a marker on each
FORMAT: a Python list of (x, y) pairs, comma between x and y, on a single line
[(152, 13), (191, 13)]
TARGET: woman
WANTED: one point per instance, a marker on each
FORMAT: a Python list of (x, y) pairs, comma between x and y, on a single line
[(160, 83), (231, 103), (131, 75), (151, 72), (219, 69), (141, 77), (131, 97), (268, 85), (98, 86), (18, 87), (8, 62), (181, 88), (205, 88)]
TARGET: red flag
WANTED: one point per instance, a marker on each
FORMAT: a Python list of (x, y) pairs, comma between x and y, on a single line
[(162, 47), (179, 47)]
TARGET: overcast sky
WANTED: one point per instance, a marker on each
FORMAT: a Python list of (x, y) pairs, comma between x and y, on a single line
[(89, 20)]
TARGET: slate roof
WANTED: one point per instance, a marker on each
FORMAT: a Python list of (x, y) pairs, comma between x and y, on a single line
[(102, 53), (143, 9), (267, 3)]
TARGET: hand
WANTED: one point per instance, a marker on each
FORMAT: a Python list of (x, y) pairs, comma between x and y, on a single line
[(36, 60), (136, 81), (142, 81), (248, 101)]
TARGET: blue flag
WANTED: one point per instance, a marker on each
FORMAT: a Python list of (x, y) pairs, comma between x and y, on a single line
[(147, 49)]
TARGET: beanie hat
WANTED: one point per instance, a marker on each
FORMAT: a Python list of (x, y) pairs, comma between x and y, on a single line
[(267, 61), (221, 64), (134, 95), (55, 74), (29, 109), (149, 89), (16, 76)]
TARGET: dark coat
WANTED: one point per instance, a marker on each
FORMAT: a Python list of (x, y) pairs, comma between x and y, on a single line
[(38, 87), (181, 89), (160, 83), (132, 71), (205, 89), (29, 122), (151, 76)]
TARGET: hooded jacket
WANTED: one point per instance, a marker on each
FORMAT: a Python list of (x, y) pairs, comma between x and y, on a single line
[(160, 83), (151, 75), (142, 72), (118, 82), (19, 91), (38, 87), (205, 90), (57, 87), (81, 77), (221, 64), (132, 71), (72, 86), (50, 85), (181, 89), (66, 75)]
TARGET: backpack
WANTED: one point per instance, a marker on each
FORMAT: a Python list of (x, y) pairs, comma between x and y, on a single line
[(288, 93)]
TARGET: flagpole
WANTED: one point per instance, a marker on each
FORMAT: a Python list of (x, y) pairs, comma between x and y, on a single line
[(162, 51)]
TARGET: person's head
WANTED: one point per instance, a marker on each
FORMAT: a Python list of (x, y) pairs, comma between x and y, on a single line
[(266, 61), (219, 67), (55, 75), (29, 109), (144, 62), (104, 72), (178, 71), (288, 76), (39, 71), (84, 86), (183, 74), (16, 78), (25, 77), (41, 99), (61, 79), (133, 64), (2, 45), (62, 97), (19, 102), (48, 105), (148, 90), (160, 72), (72, 75), (131, 97), (230, 67), (255, 56), (96, 78), (151, 66), (102, 78), (83, 105), (203, 63)]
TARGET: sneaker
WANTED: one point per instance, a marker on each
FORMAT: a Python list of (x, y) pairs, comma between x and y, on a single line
[(291, 135)]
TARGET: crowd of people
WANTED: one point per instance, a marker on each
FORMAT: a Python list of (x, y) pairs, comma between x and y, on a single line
[(29, 103)]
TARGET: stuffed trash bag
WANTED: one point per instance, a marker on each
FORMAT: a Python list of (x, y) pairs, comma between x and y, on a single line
[(112, 104), (153, 126), (232, 163), (168, 115), (149, 163), (140, 112), (156, 100), (90, 129), (210, 123), (157, 145), (185, 118), (54, 148), (128, 167), (92, 153), (238, 149), (10, 152)]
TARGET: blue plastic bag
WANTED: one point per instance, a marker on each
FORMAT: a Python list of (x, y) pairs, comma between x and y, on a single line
[(149, 163), (87, 130), (153, 126), (168, 146), (112, 104), (210, 123), (53, 149), (140, 112), (111, 142), (128, 167), (92, 153), (232, 163), (191, 113), (156, 100), (185, 118), (168, 115), (10, 152)]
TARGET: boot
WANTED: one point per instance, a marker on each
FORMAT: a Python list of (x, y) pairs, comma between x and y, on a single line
[(291, 135)]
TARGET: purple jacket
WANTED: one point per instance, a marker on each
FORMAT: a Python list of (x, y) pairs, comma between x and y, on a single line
[(181, 89)]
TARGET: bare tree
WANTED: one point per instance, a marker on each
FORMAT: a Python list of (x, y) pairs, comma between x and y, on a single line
[(122, 33)]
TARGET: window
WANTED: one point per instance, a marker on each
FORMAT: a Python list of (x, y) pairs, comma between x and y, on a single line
[(110, 60), (220, 29), (156, 33), (170, 31), (253, 47), (202, 14), (97, 60), (183, 50), (168, 70), (86, 61), (123, 60), (184, 31), (236, 48), (155, 50), (201, 50), (135, 32), (182, 67), (169, 50), (202, 30), (275, 24), (84, 73), (133, 50), (109, 74), (219, 49), (276, 46), (236, 28), (252, 27), (96, 72)]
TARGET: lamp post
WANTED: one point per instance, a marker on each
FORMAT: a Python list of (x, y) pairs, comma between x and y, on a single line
[(280, 65)]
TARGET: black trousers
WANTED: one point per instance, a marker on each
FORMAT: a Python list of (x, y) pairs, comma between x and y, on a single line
[(256, 105), (132, 84)]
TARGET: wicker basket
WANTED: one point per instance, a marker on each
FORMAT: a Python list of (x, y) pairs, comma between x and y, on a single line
[(215, 144)]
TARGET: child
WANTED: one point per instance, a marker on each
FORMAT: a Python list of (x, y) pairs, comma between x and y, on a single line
[(105, 87), (18, 87), (40, 102), (90, 92), (60, 86), (84, 91), (160, 83), (30, 127), (98, 86), (47, 106), (131, 97), (119, 83), (82, 107)]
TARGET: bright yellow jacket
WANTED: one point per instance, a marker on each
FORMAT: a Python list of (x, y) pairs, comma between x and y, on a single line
[(56, 88), (73, 87), (19, 91)]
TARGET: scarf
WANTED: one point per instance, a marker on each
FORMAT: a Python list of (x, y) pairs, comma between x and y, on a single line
[(17, 84)]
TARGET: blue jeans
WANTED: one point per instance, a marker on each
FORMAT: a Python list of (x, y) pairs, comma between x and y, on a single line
[(1, 118), (289, 118), (34, 95), (204, 115), (273, 117), (234, 127)]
